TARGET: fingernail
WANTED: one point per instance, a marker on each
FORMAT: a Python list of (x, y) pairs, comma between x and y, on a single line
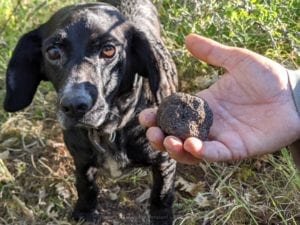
[(193, 145), (148, 117), (173, 144)]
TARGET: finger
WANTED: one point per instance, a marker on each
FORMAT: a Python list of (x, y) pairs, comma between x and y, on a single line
[(174, 147), (147, 117), (194, 146), (213, 52), (156, 138), (212, 151)]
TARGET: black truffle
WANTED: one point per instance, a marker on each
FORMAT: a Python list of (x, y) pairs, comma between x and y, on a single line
[(184, 115)]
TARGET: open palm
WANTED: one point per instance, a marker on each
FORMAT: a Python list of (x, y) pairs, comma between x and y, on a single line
[(253, 108)]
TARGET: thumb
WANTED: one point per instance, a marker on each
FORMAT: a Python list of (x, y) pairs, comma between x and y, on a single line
[(214, 52)]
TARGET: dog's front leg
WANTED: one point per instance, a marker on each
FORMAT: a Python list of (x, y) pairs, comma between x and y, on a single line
[(86, 206), (85, 161), (162, 195)]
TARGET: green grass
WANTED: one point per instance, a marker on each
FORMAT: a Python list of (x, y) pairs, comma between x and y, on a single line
[(267, 27), (265, 190)]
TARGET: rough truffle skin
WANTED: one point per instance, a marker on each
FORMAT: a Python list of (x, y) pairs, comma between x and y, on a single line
[(184, 115)]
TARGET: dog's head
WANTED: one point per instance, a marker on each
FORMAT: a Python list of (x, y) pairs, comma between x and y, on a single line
[(94, 58)]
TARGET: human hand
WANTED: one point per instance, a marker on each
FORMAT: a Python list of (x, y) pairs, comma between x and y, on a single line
[(252, 103)]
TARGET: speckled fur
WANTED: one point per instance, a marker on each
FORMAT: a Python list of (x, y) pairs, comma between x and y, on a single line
[(141, 74)]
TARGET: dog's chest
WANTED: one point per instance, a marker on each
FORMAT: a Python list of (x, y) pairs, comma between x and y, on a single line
[(112, 166), (112, 159)]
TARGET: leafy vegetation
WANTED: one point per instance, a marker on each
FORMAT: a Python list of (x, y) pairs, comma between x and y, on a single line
[(264, 190)]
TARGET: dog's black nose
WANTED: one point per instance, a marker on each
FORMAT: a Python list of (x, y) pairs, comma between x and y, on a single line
[(75, 106)]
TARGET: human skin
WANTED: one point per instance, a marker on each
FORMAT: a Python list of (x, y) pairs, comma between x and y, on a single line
[(252, 103)]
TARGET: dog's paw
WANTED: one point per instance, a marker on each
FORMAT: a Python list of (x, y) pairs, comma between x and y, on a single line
[(90, 217), (161, 219)]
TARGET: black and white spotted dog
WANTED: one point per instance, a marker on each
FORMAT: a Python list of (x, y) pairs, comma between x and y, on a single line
[(107, 63)]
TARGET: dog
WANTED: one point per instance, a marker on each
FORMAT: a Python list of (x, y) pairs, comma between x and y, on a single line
[(107, 62)]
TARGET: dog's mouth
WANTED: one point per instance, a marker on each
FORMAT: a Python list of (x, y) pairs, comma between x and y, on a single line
[(104, 122)]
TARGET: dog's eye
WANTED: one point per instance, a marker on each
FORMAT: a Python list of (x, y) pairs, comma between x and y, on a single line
[(53, 53), (108, 51)]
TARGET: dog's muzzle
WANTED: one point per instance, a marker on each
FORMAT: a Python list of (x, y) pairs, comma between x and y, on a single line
[(77, 99), (75, 106)]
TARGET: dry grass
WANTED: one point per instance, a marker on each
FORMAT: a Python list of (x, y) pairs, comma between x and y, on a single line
[(257, 191)]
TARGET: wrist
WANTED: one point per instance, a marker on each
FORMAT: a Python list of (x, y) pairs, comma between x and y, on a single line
[(294, 134), (294, 82)]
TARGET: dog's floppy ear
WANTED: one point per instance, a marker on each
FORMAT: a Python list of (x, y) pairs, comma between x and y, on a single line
[(24, 72), (153, 61)]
